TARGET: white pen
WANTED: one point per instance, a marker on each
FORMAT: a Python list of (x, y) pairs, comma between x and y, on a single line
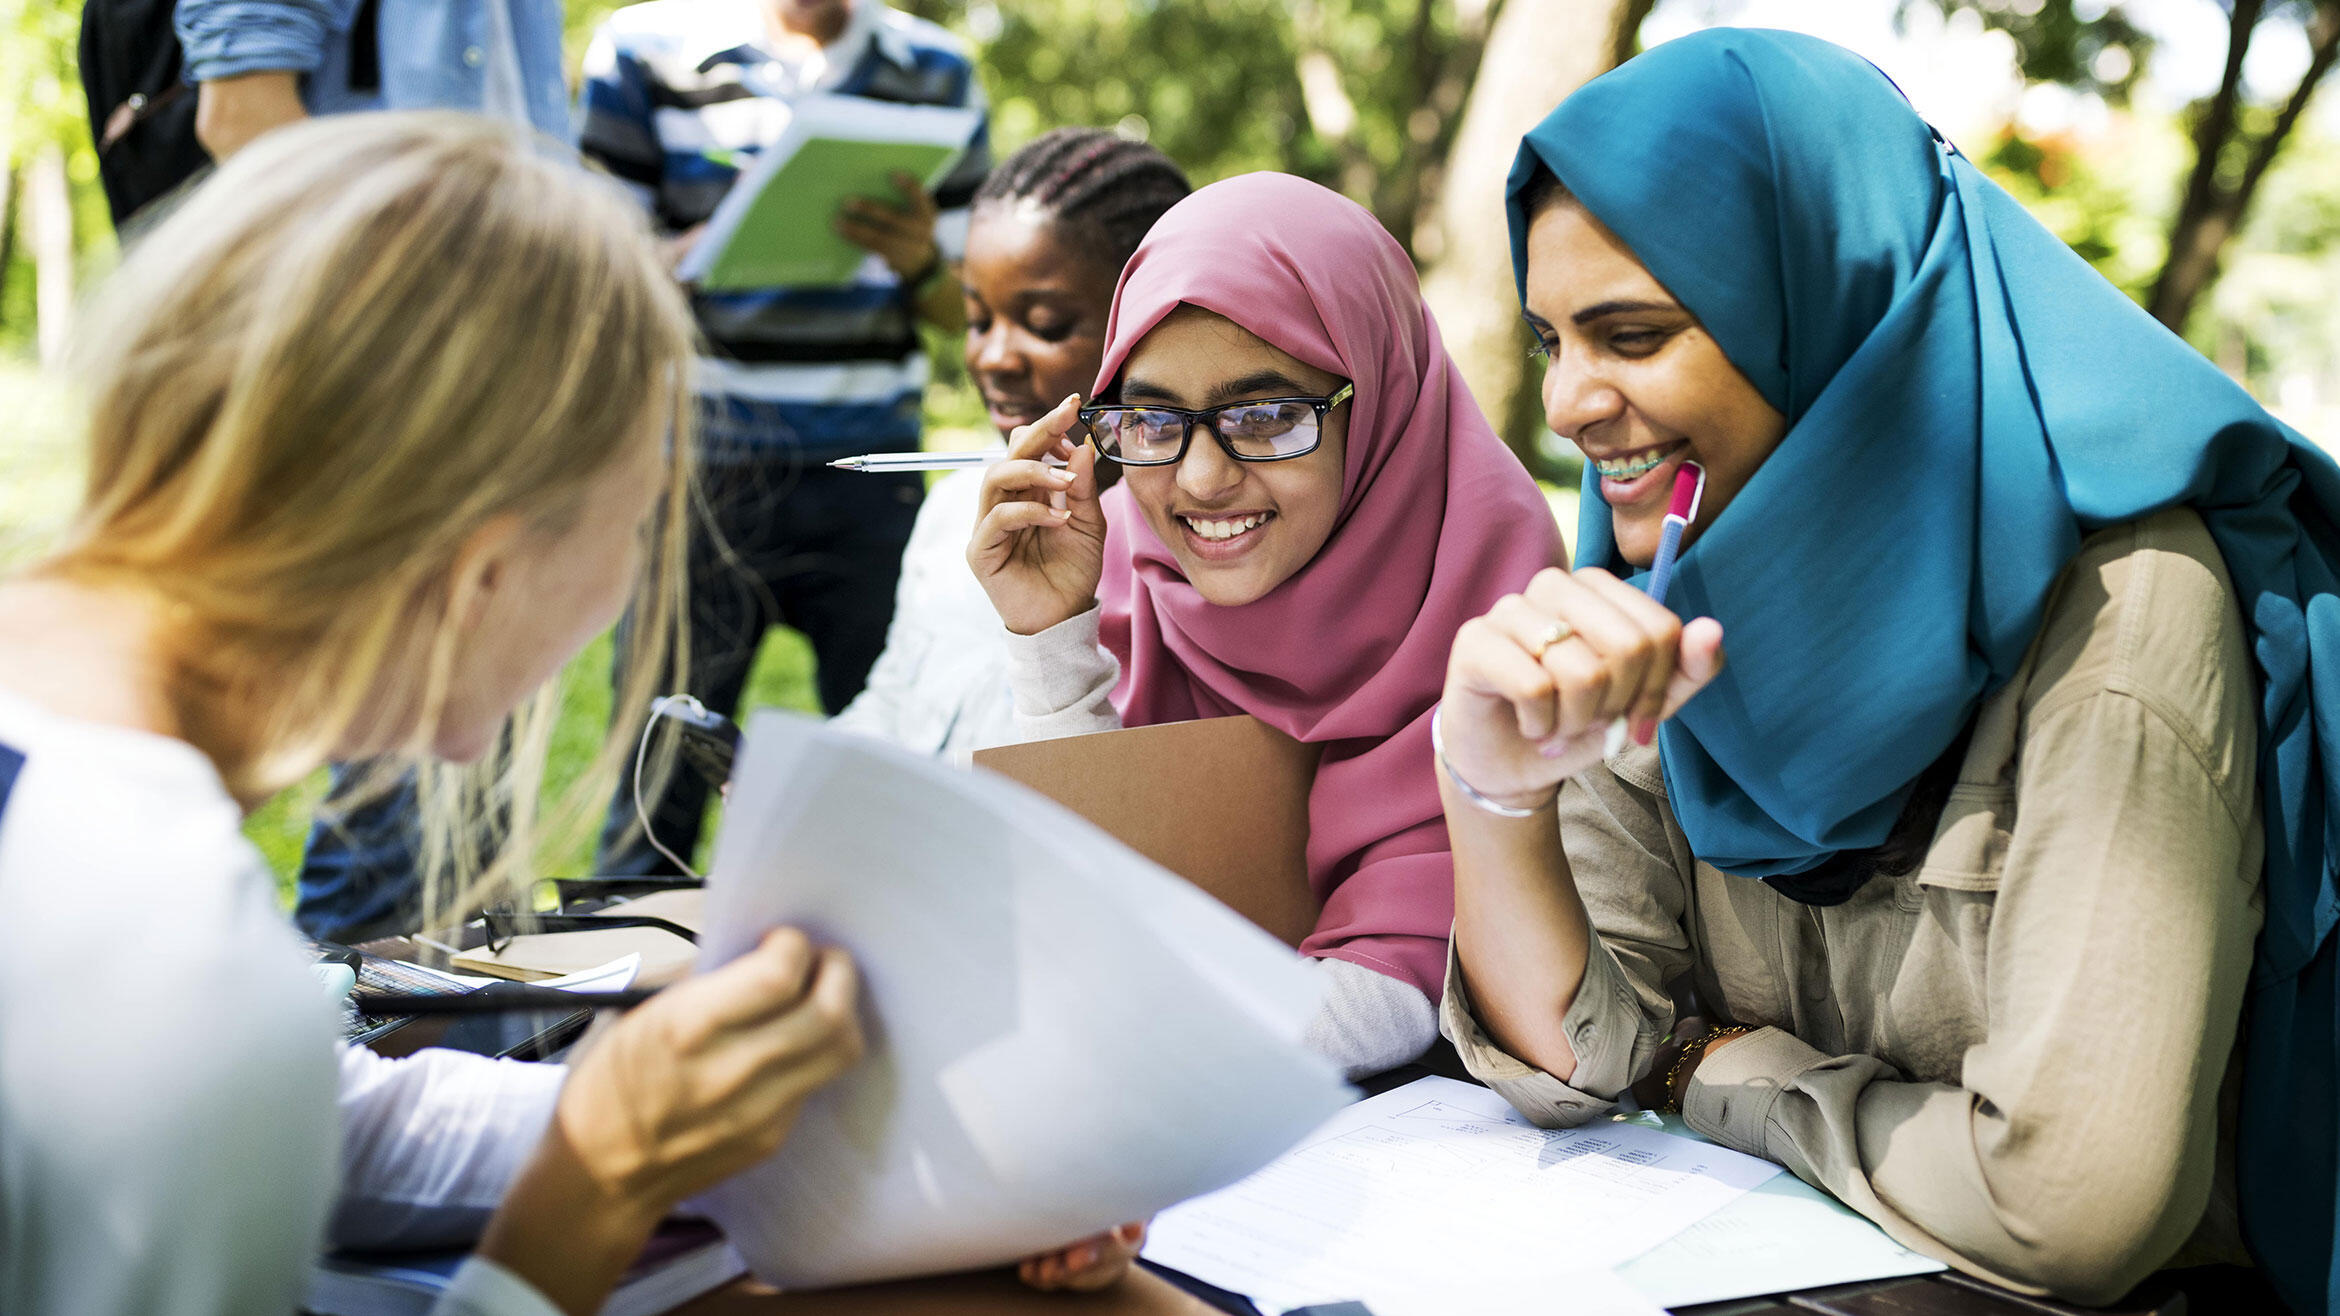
[(927, 461)]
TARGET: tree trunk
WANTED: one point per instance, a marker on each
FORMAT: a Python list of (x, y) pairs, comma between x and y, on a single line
[(1538, 52), (1442, 83), (8, 178), (2211, 213), (48, 206), (1627, 42), (2189, 258)]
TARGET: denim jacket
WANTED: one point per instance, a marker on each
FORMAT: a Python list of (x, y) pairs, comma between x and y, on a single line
[(434, 53)]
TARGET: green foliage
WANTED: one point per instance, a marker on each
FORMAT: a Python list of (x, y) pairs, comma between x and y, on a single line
[(2271, 315), (40, 91), (2110, 206), (40, 105), (2087, 45), (1211, 84)]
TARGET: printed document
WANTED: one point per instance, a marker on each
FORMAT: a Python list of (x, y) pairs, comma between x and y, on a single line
[(1442, 1183), (1784, 1235), (1063, 1036)]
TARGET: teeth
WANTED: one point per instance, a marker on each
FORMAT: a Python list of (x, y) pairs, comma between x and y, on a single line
[(1625, 468), (1225, 529)]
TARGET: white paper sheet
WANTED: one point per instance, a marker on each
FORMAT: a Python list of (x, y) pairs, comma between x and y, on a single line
[(1063, 1035), (1784, 1235), (1439, 1192)]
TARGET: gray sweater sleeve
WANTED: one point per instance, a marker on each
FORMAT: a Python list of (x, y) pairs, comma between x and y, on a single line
[(1062, 680), (1369, 1021)]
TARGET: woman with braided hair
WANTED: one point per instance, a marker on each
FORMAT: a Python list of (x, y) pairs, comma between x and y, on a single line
[(1050, 231)]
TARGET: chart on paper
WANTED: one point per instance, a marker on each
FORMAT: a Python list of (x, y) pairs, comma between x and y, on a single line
[(1442, 1179)]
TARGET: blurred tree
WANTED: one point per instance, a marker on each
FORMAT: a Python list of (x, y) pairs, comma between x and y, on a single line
[(45, 159), (2096, 47), (1411, 107), (1539, 52)]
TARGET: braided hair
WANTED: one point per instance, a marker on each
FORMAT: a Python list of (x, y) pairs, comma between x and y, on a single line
[(1105, 190)]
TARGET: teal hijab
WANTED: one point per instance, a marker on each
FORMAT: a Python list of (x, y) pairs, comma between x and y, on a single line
[(1966, 399)]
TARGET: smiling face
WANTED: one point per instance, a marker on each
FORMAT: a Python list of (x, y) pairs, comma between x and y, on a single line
[(1238, 529), (1635, 381)]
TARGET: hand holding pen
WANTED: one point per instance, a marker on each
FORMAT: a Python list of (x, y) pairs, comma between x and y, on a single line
[(1537, 689), (1039, 543)]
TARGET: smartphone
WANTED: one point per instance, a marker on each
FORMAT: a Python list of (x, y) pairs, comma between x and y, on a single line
[(709, 741)]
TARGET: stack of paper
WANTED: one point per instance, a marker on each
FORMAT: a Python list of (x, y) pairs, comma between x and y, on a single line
[(1063, 1035), (1438, 1197)]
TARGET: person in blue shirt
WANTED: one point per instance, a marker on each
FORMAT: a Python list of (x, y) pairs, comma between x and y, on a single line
[(258, 64)]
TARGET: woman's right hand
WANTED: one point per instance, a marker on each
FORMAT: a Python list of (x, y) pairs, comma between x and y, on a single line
[(1039, 545), (706, 1078), (1533, 687), (697, 1084)]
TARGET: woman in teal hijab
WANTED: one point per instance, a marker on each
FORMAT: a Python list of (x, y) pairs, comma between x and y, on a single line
[(2031, 623)]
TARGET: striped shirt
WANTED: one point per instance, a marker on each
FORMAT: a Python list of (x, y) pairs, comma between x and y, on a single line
[(678, 96)]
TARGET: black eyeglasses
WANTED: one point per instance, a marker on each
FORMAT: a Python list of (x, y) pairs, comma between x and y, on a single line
[(1261, 430), (506, 923)]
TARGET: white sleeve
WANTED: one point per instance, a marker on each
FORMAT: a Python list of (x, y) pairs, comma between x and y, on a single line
[(1062, 680), (166, 1128), (483, 1288), (892, 693), (1369, 1021), (431, 1142)]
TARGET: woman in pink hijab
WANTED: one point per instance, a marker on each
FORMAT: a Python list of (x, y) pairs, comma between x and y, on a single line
[(1311, 506)]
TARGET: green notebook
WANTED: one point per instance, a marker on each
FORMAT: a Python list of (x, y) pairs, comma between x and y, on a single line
[(774, 229)]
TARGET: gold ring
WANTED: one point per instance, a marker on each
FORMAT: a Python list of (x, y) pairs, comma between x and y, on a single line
[(1558, 632)]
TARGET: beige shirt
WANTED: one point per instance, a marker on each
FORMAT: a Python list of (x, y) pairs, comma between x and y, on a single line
[(2011, 1058)]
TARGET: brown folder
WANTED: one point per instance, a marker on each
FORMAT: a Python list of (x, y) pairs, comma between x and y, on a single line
[(1222, 803)]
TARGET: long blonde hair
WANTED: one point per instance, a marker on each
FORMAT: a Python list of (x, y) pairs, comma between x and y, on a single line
[(357, 343)]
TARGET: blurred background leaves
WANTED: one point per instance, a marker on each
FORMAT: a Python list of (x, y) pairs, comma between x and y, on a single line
[(2227, 163)]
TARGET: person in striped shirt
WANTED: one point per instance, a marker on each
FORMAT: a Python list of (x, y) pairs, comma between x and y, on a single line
[(677, 97)]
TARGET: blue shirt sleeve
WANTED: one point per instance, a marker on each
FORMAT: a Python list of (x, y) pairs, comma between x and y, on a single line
[(229, 38)]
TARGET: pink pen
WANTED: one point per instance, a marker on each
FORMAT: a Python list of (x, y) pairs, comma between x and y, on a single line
[(1689, 488)]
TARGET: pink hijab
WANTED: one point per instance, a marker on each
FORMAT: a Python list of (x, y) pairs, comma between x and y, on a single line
[(1437, 521)]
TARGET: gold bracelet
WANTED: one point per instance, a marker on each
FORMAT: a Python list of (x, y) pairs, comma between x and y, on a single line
[(1696, 1047)]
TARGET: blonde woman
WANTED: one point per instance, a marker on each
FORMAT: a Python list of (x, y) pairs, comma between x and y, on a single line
[(379, 429)]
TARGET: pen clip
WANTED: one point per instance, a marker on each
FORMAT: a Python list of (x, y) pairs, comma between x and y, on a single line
[(1689, 491)]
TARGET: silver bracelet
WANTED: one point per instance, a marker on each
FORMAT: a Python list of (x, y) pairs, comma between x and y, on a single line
[(1469, 792)]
